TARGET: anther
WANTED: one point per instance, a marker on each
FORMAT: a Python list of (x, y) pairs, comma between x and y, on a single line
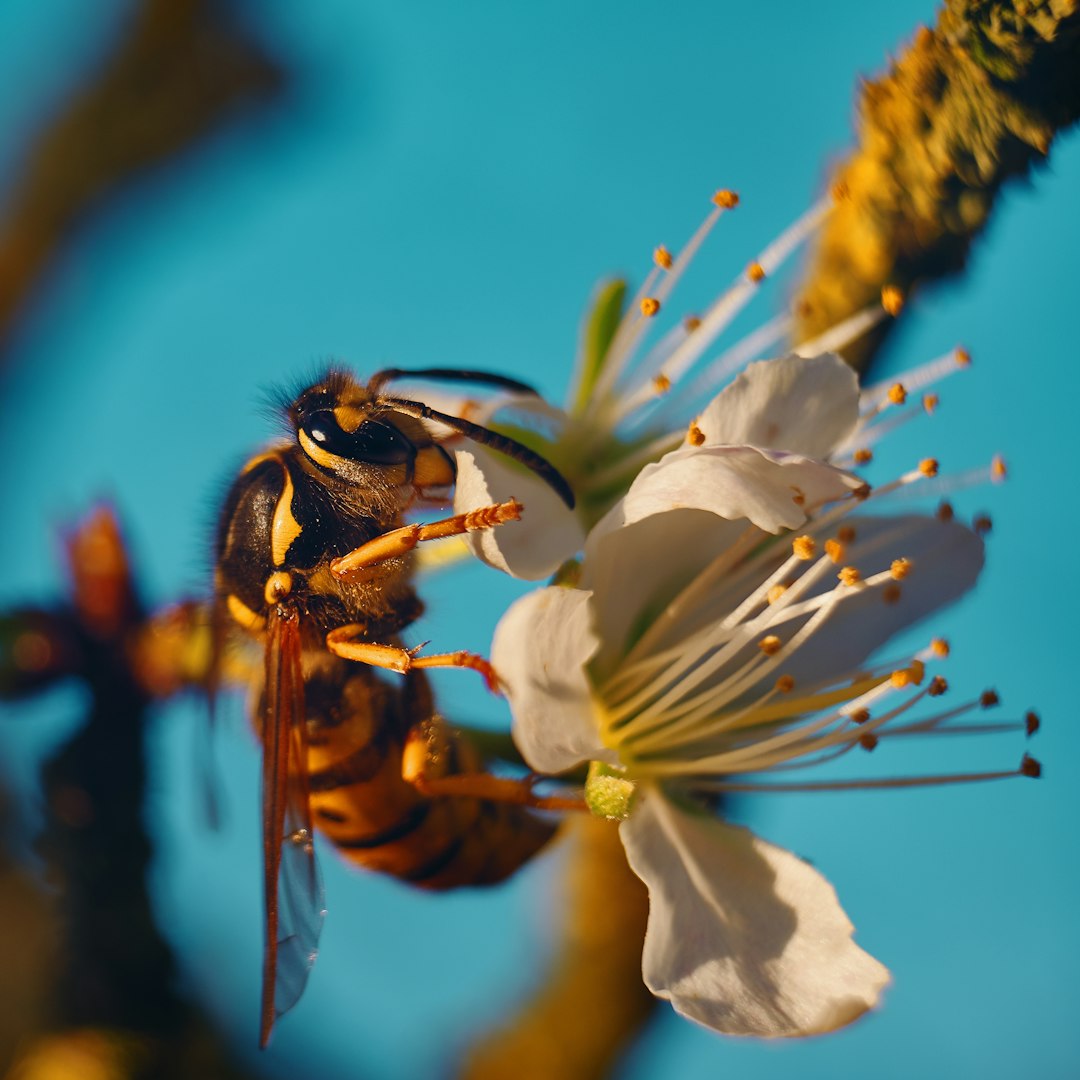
[(930, 403), (891, 593), (900, 569), (859, 716), (929, 467), (863, 457), (694, 435), (770, 645), (989, 698), (917, 671), (897, 394), (945, 511), (937, 686), (963, 357), (900, 679), (774, 594), (799, 498), (785, 684), (849, 575), (1032, 723), (868, 741), (803, 547), (939, 647), (998, 471), (755, 272), (835, 550), (892, 300), (691, 323), (1030, 767), (662, 257), (649, 306), (845, 534), (661, 383), (726, 199), (982, 524)]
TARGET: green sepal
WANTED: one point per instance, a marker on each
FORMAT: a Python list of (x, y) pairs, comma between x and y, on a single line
[(600, 326)]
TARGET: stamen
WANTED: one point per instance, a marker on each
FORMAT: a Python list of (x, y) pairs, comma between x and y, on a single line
[(770, 645), (803, 547), (989, 699), (1032, 723), (900, 568), (892, 299), (649, 306), (849, 576), (929, 467), (662, 257), (844, 333)]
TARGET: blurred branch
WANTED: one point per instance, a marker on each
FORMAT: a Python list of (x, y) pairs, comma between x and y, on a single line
[(972, 102), (592, 1003), (177, 74)]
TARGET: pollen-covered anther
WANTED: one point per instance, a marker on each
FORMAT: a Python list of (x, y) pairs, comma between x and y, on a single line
[(891, 593), (989, 698), (859, 716), (785, 684), (863, 456), (691, 323), (803, 547), (1032, 723), (930, 403), (661, 383), (868, 741), (845, 534), (849, 575), (649, 306), (726, 199), (917, 671), (774, 594), (983, 524), (892, 300), (939, 647), (901, 678), (770, 645), (945, 511), (963, 357), (929, 467), (897, 394), (938, 686), (694, 435), (662, 257), (755, 272), (998, 469), (900, 569), (1030, 767), (835, 550)]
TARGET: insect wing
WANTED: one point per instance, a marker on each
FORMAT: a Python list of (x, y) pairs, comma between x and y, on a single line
[(293, 887)]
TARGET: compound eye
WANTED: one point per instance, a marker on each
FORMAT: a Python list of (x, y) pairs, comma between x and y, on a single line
[(373, 441)]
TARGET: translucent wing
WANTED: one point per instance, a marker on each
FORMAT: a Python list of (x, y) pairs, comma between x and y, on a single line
[(293, 889)]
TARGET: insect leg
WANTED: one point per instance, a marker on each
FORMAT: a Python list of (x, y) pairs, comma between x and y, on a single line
[(394, 658), (420, 766), (401, 541)]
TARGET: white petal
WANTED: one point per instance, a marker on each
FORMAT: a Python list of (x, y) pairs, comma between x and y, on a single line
[(540, 649), (768, 488), (807, 405), (548, 533), (743, 936)]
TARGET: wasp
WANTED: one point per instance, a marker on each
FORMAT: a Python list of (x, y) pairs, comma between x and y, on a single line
[(313, 560)]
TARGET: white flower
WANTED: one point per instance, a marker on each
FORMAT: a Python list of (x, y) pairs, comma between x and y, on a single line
[(701, 646)]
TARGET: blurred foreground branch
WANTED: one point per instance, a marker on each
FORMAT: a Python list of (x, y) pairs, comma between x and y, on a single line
[(972, 102)]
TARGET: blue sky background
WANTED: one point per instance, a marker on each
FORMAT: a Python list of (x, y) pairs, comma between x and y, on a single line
[(445, 186)]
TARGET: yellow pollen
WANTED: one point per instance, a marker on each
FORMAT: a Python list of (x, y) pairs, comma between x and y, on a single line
[(662, 257), (849, 575), (859, 716), (900, 569), (892, 300), (840, 191), (694, 435), (897, 394), (691, 323), (1032, 723), (845, 534), (982, 524), (900, 679), (1030, 767), (937, 686), (755, 272), (726, 199), (803, 547), (963, 357), (863, 457), (868, 741), (775, 593), (785, 684), (891, 593), (945, 511), (930, 403), (998, 471), (661, 383), (835, 550), (649, 306), (770, 645), (989, 698), (929, 466), (939, 647)]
